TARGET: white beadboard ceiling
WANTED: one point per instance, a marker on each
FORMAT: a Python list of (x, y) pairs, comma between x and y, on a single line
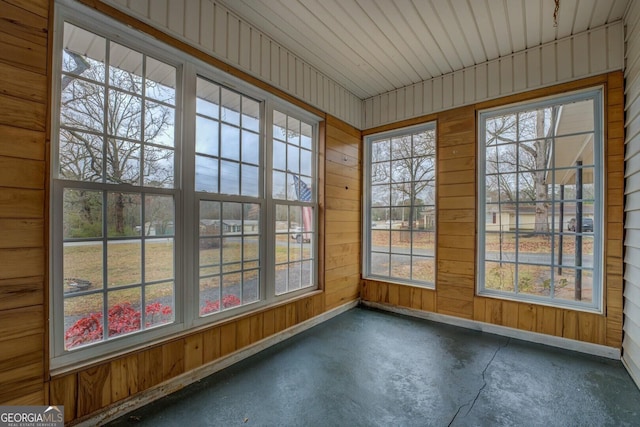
[(375, 46)]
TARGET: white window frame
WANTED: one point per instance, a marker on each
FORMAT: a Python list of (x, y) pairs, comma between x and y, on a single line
[(186, 290), (367, 202), (596, 305)]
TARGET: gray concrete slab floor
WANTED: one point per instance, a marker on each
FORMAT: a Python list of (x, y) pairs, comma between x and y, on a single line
[(371, 368)]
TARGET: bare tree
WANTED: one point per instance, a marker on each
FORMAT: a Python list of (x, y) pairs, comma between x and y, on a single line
[(109, 132), (518, 153), (407, 164)]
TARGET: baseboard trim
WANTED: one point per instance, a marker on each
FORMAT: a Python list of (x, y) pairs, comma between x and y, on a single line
[(145, 397), (553, 341)]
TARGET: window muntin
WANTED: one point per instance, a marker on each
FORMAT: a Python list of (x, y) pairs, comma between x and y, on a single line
[(134, 238), (400, 206), (541, 178), (292, 175), (116, 155)]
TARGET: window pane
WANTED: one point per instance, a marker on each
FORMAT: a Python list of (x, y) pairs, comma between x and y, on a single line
[(124, 213), (82, 105), (230, 102), (229, 177), (230, 146), (83, 320), (159, 260), (208, 98), (250, 181), (80, 156), (158, 166), (160, 81), (124, 115), (250, 147), (123, 162), (124, 315), (206, 174), (159, 124), (159, 214), (82, 213), (125, 68), (250, 114), (160, 304), (124, 262), (82, 266), (206, 136)]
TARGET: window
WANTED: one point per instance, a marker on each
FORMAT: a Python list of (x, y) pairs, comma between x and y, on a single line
[(540, 169), (400, 206), (169, 188)]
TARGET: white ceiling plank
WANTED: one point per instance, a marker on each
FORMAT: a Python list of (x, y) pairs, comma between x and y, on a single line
[(308, 29), (366, 55), (548, 30), (532, 10), (415, 34), (566, 14), (464, 16), (502, 31), (517, 24), (383, 15), (487, 32), (601, 12), (583, 15), (461, 44), (369, 47), (435, 39)]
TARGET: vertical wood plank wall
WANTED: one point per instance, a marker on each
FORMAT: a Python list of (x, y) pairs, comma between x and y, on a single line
[(23, 120), (631, 343), (454, 292)]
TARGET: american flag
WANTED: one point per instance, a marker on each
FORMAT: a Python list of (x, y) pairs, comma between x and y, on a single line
[(303, 192)]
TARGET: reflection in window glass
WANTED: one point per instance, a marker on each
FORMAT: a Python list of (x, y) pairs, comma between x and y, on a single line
[(539, 228)]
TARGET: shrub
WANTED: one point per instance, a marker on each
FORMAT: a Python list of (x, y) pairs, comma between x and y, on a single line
[(121, 319), (212, 306)]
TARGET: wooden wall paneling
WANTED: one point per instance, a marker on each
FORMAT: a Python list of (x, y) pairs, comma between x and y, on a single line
[(210, 345), (479, 309), (416, 298), (193, 351), (280, 318), (243, 328), (510, 311), (527, 317), (291, 314), (94, 389), (268, 323), (124, 377), (173, 360), (227, 338), (429, 300), (64, 391), (150, 367), (393, 293), (256, 328), (404, 296), (21, 292)]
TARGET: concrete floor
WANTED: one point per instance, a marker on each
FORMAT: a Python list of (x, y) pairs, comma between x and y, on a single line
[(369, 368)]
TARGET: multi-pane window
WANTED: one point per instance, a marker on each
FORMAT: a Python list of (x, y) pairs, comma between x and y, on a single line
[(292, 175), (400, 214), (116, 179), (227, 183), (540, 217), (176, 199)]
